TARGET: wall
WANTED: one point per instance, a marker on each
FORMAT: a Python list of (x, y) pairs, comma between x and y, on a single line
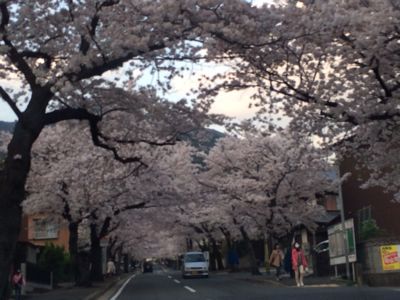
[(369, 259), (383, 210), (61, 240)]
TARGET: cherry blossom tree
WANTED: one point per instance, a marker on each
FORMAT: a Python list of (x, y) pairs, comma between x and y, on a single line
[(265, 185), (73, 179), (332, 68), (56, 49)]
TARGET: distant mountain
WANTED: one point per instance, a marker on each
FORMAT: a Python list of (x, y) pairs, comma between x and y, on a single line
[(203, 139), (7, 126)]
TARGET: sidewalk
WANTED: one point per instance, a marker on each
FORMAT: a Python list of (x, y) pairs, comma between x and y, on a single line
[(77, 293), (286, 281)]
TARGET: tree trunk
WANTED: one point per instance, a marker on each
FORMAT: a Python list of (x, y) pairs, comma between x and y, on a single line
[(12, 193), (95, 255), (228, 239), (217, 255), (119, 260), (253, 261), (73, 251)]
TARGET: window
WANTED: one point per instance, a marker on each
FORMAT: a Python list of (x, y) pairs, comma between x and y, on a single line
[(195, 258), (43, 229), (363, 214)]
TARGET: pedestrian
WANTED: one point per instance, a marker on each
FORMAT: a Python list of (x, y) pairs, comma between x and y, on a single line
[(233, 259), (18, 281), (299, 263), (276, 260), (287, 262), (110, 268)]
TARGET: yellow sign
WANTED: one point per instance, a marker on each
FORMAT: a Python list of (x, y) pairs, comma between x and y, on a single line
[(390, 257)]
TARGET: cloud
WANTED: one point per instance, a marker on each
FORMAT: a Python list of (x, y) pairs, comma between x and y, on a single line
[(234, 104)]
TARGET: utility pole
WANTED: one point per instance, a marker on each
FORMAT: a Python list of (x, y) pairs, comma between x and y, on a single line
[(342, 220)]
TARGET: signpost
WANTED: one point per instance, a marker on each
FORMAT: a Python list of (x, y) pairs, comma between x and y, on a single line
[(340, 247)]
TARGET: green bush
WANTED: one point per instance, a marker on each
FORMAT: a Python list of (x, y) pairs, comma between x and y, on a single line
[(369, 229), (55, 259)]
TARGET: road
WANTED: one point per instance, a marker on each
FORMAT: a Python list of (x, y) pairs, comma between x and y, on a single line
[(167, 285)]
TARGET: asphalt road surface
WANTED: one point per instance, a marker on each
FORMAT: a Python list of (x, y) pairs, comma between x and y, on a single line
[(167, 285)]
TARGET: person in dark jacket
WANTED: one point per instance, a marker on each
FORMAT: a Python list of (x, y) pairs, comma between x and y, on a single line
[(287, 263)]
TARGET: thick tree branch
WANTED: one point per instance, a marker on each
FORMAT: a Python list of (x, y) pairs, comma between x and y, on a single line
[(82, 114), (6, 97), (15, 57), (38, 54), (69, 114)]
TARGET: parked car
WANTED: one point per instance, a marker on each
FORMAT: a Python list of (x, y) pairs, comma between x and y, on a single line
[(194, 264), (147, 266), (322, 247)]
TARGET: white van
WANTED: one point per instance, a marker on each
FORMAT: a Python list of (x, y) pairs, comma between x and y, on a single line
[(194, 264)]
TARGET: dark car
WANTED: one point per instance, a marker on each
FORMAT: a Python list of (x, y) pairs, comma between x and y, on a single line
[(147, 267)]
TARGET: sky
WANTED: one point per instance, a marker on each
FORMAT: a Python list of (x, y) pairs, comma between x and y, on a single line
[(233, 104)]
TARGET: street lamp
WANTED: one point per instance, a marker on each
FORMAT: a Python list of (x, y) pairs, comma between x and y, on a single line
[(342, 220)]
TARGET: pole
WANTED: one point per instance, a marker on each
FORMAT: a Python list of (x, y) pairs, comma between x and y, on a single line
[(344, 233)]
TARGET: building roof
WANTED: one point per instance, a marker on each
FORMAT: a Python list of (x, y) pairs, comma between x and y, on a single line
[(328, 217)]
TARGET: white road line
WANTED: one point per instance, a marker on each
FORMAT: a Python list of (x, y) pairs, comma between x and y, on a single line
[(169, 276), (122, 288), (177, 281), (190, 289)]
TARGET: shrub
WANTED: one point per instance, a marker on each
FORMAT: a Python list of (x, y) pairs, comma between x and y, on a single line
[(369, 229), (55, 259)]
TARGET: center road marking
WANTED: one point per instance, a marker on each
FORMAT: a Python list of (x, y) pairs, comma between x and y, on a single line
[(177, 281), (190, 289), (169, 276)]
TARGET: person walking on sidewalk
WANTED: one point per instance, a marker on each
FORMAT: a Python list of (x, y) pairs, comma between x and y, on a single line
[(111, 270), (299, 263), (18, 281), (276, 260)]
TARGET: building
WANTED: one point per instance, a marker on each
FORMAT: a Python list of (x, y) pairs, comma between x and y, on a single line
[(38, 231), (376, 225), (366, 204)]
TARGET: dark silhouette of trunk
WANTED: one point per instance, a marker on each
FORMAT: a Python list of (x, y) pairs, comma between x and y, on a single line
[(212, 264), (96, 271), (120, 259), (189, 244), (228, 240), (250, 250), (112, 242), (84, 263), (126, 263), (217, 255), (73, 252), (13, 178)]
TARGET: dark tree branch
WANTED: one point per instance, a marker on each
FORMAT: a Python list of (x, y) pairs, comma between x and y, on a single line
[(15, 57), (38, 54), (82, 114), (378, 77), (69, 114), (85, 72), (6, 97), (5, 16)]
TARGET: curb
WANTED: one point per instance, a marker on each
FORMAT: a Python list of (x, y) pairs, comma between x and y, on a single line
[(101, 291), (285, 284), (264, 280)]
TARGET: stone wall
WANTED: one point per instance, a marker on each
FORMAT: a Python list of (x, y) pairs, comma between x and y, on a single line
[(370, 263)]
